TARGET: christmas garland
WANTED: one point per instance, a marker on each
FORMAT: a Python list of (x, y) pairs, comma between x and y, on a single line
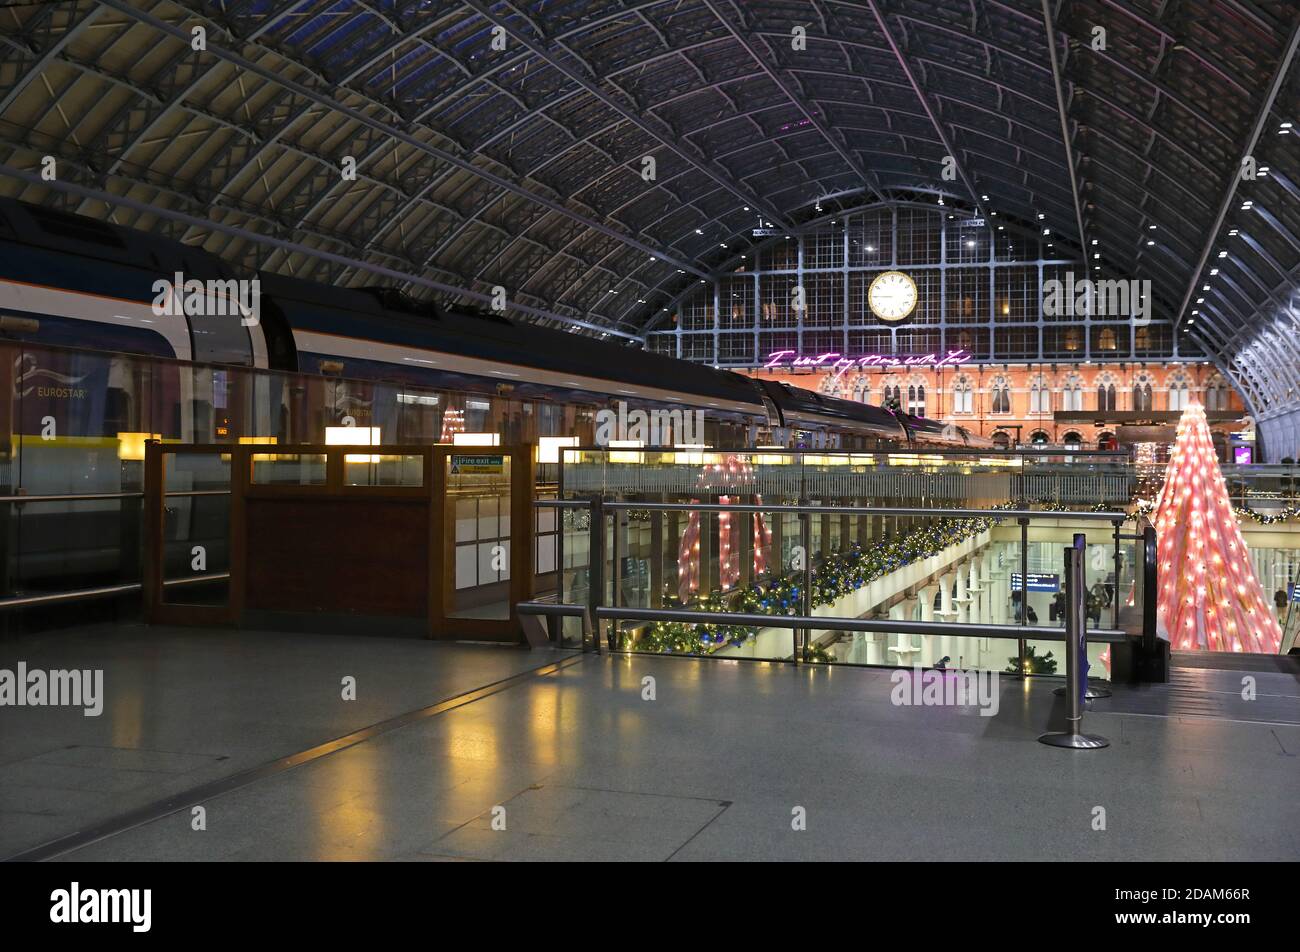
[(1267, 519), (841, 574)]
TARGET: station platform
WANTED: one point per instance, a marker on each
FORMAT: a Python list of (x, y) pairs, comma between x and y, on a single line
[(252, 726)]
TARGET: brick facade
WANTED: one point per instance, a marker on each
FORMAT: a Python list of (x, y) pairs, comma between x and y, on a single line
[(986, 398)]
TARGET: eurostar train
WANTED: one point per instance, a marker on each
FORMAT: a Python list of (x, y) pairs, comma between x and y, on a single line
[(313, 354)]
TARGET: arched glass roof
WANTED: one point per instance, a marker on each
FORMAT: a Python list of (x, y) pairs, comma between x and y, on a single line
[(506, 143)]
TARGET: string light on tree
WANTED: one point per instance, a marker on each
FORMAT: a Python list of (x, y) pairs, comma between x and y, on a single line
[(731, 478), (1209, 599)]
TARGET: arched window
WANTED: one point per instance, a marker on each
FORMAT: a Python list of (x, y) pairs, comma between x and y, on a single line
[(962, 401), (1106, 339), (862, 390), (1216, 395), (1072, 440), (832, 387), (1179, 392), (1142, 393), (916, 399), (1072, 393), (1040, 396), (1001, 391), (1002, 439), (1038, 437), (1105, 392), (1142, 338)]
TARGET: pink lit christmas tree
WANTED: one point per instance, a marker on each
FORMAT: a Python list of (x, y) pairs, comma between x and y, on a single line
[(733, 473), (1209, 598)]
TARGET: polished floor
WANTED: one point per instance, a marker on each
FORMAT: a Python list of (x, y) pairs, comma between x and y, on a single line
[(446, 744)]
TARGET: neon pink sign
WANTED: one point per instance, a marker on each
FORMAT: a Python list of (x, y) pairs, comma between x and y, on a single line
[(840, 364)]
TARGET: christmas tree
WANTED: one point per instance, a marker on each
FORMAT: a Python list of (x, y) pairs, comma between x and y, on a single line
[(1209, 597)]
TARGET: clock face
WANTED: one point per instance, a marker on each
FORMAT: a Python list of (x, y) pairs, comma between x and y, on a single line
[(892, 296)]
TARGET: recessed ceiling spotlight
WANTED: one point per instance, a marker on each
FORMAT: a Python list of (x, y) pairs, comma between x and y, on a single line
[(1150, 243)]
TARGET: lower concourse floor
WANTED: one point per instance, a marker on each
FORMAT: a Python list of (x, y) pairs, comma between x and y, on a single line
[(476, 752)]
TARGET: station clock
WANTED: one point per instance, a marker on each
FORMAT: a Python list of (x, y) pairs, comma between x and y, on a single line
[(892, 296)]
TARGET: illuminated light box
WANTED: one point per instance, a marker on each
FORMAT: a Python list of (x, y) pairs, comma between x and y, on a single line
[(690, 459), (548, 447), (353, 436), (130, 446), (625, 457), (476, 439)]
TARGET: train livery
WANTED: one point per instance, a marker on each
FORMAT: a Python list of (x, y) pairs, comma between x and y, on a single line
[(72, 282)]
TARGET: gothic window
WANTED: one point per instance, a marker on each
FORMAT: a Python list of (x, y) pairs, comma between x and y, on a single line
[(1072, 393), (1105, 393), (916, 400), (1179, 392), (1142, 394), (1040, 396), (962, 400), (1001, 395)]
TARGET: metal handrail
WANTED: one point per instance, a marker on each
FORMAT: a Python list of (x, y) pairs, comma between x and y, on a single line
[(72, 497), (836, 451), (104, 591), (835, 510), (95, 497), (838, 623)]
